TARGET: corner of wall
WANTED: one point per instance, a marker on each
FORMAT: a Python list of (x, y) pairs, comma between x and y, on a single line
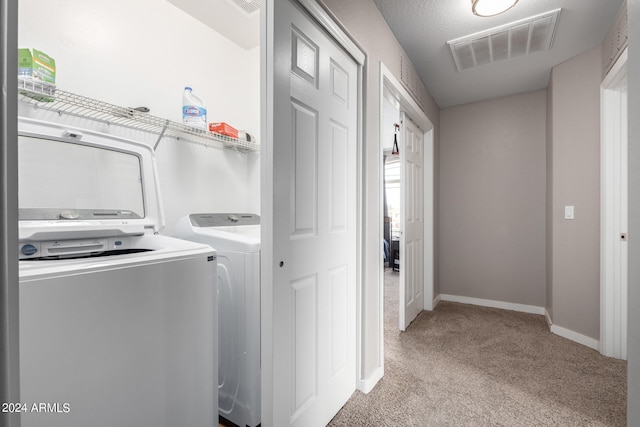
[(365, 385)]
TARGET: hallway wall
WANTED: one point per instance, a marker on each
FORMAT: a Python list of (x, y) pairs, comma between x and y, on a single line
[(492, 199), (574, 171), (508, 167)]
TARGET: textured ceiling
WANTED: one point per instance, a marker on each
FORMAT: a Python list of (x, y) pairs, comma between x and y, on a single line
[(423, 28)]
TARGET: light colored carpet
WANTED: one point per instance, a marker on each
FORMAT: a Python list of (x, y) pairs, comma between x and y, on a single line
[(463, 365)]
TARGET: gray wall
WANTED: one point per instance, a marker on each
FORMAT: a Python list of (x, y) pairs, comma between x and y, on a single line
[(575, 176), (633, 367), (364, 23), (492, 199)]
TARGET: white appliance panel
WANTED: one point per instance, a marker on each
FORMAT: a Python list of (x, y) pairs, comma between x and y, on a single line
[(238, 250), (128, 344), (118, 325)]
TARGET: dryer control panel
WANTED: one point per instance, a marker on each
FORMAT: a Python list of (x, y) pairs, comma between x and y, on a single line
[(224, 219)]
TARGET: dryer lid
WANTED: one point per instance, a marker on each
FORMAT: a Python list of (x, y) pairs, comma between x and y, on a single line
[(74, 181)]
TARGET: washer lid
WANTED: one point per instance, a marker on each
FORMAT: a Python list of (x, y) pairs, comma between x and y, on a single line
[(98, 183)]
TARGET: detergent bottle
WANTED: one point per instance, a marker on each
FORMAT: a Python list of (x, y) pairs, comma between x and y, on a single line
[(194, 111)]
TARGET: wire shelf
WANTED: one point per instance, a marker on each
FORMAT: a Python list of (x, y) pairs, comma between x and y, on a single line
[(47, 96)]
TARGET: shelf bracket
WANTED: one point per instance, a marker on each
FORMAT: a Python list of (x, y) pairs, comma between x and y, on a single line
[(161, 135)]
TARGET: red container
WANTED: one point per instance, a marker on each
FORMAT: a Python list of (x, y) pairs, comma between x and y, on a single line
[(224, 129)]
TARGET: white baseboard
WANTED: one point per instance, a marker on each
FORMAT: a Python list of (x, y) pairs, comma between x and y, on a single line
[(436, 301), (548, 317), (367, 384), (532, 309), (575, 337)]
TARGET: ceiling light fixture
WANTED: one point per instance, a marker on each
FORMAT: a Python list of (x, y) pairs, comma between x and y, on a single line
[(491, 7)]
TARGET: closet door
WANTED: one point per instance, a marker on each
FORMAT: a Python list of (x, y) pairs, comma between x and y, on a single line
[(313, 269)]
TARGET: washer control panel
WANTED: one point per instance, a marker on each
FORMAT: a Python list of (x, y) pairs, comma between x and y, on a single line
[(73, 248)]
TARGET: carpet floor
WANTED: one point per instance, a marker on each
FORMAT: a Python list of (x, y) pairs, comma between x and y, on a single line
[(464, 365)]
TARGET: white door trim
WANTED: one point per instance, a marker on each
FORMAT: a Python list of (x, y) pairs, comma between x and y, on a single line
[(331, 27), (391, 87), (268, 65), (613, 258), (9, 328)]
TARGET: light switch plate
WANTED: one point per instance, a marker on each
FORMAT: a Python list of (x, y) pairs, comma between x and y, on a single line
[(569, 212)]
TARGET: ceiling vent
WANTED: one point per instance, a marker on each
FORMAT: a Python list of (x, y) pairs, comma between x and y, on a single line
[(529, 35), (249, 6)]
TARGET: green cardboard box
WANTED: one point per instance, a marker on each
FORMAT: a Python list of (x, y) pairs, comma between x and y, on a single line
[(38, 66)]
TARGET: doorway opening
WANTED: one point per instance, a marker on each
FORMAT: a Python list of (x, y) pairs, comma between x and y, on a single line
[(391, 188), (391, 205), (396, 106)]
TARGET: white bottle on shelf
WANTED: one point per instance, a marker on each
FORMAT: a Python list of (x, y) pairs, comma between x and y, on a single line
[(194, 111)]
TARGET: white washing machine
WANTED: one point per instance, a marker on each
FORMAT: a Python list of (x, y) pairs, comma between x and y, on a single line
[(236, 239), (117, 323)]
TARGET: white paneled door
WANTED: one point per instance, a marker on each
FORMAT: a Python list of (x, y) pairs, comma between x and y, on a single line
[(315, 116), (411, 222)]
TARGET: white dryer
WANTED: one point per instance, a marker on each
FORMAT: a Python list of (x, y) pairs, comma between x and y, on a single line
[(236, 239), (117, 323)]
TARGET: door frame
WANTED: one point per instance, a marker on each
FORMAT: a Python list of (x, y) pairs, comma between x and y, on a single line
[(9, 332), (395, 92), (269, 64), (613, 263)]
